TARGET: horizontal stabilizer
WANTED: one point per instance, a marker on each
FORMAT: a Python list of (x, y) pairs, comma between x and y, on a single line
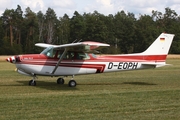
[(158, 64)]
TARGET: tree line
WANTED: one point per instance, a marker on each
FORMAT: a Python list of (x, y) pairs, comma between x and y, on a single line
[(123, 31)]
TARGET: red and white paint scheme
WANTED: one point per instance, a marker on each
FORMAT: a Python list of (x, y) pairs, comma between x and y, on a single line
[(78, 58)]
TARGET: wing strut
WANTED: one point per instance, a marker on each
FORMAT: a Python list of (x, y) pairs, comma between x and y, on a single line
[(59, 61)]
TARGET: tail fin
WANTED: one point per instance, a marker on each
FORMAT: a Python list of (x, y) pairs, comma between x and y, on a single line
[(160, 46), (157, 52)]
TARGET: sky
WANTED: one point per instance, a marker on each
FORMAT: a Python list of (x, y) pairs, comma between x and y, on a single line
[(106, 7)]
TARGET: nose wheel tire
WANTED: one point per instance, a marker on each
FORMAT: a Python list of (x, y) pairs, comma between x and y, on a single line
[(72, 83), (60, 81), (32, 83)]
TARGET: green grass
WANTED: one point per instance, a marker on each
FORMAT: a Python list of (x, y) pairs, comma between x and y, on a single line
[(144, 94)]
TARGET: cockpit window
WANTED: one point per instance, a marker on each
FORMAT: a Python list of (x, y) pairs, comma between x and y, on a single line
[(48, 52), (70, 55), (82, 56)]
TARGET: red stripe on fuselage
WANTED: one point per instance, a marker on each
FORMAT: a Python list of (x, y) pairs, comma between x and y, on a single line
[(101, 58), (130, 58)]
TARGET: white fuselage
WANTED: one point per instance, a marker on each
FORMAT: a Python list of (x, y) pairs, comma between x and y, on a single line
[(77, 68)]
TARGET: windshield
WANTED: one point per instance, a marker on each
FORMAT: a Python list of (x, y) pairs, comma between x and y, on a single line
[(93, 55), (48, 52)]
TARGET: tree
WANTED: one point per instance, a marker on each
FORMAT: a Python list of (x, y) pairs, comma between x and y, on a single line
[(50, 24), (8, 24), (41, 20), (96, 29), (169, 22), (124, 31), (77, 27), (108, 21), (146, 32), (64, 29), (18, 22), (30, 30)]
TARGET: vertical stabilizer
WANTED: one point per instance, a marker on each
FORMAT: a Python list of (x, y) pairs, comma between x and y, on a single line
[(161, 45)]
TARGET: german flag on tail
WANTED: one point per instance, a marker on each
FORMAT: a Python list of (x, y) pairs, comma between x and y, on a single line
[(162, 39)]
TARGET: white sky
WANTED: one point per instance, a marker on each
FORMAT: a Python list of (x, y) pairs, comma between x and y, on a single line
[(102, 6)]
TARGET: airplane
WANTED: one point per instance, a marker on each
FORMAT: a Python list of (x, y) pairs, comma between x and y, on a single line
[(78, 58)]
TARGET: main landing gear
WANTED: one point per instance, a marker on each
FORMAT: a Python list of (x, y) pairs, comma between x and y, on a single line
[(72, 83), (60, 81)]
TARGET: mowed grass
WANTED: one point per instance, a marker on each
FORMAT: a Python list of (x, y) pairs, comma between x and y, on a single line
[(143, 94)]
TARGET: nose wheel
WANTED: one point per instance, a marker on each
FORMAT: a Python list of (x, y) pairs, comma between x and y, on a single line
[(32, 83)]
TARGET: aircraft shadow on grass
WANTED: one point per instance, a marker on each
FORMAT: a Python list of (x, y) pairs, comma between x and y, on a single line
[(99, 83), (54, 86), (113, 83), (138, 83), (65, 87)]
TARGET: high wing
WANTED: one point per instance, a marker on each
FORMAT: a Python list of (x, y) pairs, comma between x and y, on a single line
[(44, 45), (87, 46)]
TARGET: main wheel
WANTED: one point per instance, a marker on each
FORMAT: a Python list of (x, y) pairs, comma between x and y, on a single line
[(32, 83), (60, 81), (72, 83)]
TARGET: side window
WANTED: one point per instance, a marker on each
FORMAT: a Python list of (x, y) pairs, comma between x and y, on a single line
[(69, 55), (59, 54), (82, 56)]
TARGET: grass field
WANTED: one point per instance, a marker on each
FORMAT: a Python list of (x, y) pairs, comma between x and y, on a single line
[(144, 94)]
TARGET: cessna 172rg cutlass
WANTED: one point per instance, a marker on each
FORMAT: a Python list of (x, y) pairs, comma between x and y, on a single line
[(78, 58)]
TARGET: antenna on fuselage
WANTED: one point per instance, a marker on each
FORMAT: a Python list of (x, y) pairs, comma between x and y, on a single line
[(74, 41), (80, 40), (77, 41)]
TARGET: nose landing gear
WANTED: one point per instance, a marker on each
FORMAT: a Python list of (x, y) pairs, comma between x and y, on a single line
[(32, 82)]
